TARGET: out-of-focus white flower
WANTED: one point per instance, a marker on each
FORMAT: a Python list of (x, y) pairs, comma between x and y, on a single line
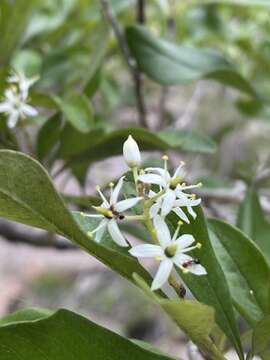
[(15, 106), (23, 82), (170, 252), (111, 211), (131, 152), (171, 185)]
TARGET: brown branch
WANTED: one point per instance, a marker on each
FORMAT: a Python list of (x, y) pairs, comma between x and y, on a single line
[(134, 70), (12, 234)]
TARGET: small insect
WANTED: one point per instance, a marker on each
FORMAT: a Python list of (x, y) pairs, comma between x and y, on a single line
[(190, 263)]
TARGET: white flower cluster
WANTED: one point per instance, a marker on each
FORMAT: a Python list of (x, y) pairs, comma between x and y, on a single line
[(170, 196), (15, 100)]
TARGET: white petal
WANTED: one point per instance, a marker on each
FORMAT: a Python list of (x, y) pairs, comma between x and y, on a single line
[(162, 274), (116, 191), (180, 213), (29, 110), (101, 230), (162, 172), (197, 269), (146, 250), (184, 201), (184, 241), (100, 225), (126, 204), (192, 212), (93, 215), (116, 233), (4, 107), (180, 258), (168, 201), (131, 152), (154, 210), (162, 230), (152, 179), (179, 171), (13, 119)]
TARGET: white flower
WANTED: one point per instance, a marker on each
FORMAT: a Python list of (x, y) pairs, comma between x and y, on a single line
[(111, 211), (131, 152), (187, 201), (170, 252), (171, 185), (15, 107), (23, 82)]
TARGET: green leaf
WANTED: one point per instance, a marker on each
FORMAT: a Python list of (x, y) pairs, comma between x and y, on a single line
[(170, 64), (13, 20), (245, 269), (230, 2), (195, 319), (77, 110), (211, 289), (25, 315), (66, 335), (261, 338), (252, 221), (94, 147), (48, 136), (28, 196)]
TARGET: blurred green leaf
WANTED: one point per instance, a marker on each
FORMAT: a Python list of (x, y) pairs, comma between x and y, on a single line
[(25, 315), (252, 221), (230, 2), (211, 289), (195, 319), (77, 338), (261, 339), (28, 196), (77, 110), (169, 64), (247, 275)]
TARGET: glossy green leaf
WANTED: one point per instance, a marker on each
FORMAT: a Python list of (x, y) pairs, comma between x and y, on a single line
[(25, 315), (77, 110), (27, 195), (67, 336), (195, 319), (211, 289), (252, 221), (261, 339), (245, 269), (170, 64)]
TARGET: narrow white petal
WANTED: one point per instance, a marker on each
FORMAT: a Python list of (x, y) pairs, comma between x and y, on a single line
[(152, 179), (100, 226), (100, 231), (4, 107), (146, 250), (29, 110), (93, 215), (180, 213), (116, 191), (184, 241), (197, 269), (162, 230), (105, 203), (191, 212), (168, 202), (116, 233), (126, 204), (186, 202), (13, 119), (180, 259), (158, 170), (179, 171), (162, 274), (154, 210)]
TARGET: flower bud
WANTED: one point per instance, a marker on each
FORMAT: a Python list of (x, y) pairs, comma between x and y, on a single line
[(131, 152)]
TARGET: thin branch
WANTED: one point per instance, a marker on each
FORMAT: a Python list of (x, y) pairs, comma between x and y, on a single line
[(13, 235), (134, 70)]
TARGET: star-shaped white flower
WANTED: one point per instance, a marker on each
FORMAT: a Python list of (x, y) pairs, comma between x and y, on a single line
[(111, 211), (23, 82), (171, 251), (171, 186), (15, 106)]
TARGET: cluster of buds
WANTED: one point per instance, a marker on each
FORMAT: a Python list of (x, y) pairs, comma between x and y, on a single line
[(14, 104), (160, 193)]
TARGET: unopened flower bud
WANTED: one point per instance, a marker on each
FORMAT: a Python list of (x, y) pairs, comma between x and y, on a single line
[(131, 153)]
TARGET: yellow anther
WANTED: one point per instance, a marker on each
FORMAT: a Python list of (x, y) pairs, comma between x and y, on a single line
[(199, 245), (180, 223), (165, 157), (182, 163), (193, 196), (97, 187), (200, 184), (185, 270), (111, 184), (158, 258), (183, 184)]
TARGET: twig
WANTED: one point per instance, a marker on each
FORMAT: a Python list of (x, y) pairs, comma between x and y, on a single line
[(13, 235), (134, 70)]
